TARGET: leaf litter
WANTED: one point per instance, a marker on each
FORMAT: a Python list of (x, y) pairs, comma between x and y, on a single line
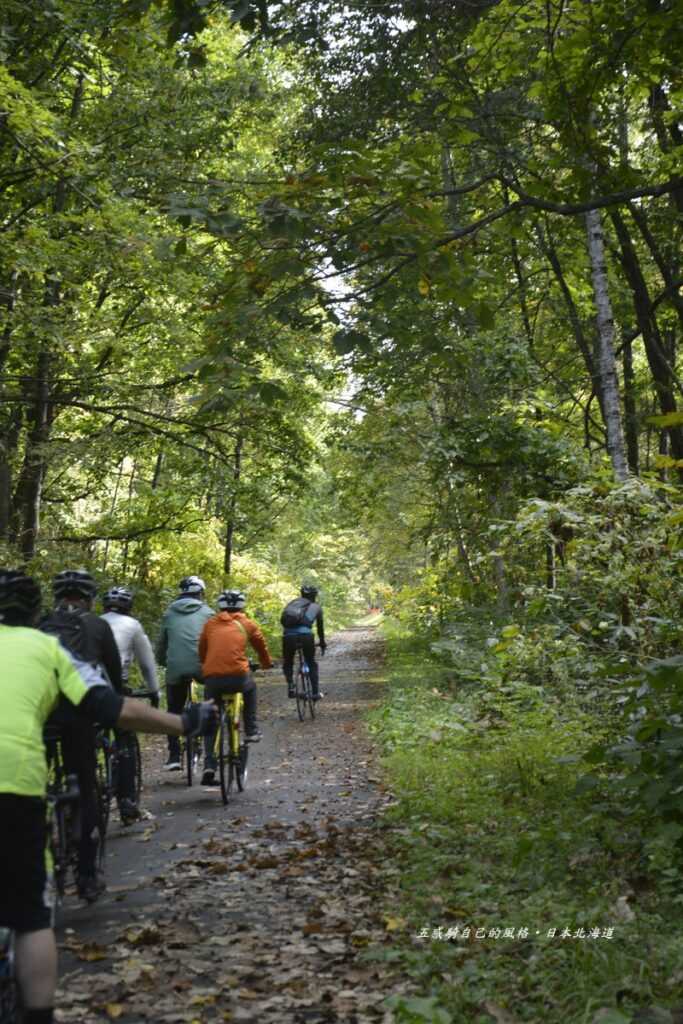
[(267, 921)]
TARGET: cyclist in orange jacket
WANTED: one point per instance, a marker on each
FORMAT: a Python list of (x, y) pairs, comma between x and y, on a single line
[(225, 665)]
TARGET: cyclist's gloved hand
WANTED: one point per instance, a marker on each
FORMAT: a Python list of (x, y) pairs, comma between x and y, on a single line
[(200, 719), (154, 700)]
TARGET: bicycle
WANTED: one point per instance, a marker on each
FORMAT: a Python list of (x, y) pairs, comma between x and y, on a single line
[(108, 767), (64, 815), (9, 990), (191, 746), (304, 687), (232, 752)]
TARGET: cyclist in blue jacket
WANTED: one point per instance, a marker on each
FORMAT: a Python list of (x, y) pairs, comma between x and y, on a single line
[(177, 649)]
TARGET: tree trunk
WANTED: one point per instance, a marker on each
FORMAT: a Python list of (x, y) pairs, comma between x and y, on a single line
[(669, 266), (8, 445), (661, 370), (26, 511), (609, 384), (232, 508), (30, 485), (630, 408), (114, 499), (547, 245), (126, 543)]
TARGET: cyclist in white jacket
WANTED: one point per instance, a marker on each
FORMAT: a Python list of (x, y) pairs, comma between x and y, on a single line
[(133, 644)]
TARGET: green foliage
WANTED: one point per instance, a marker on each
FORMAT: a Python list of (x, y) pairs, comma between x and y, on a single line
[(491, 834), (645, 768)]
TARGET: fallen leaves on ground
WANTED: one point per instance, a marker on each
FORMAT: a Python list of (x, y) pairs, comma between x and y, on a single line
[(251, 935), (269, 922)]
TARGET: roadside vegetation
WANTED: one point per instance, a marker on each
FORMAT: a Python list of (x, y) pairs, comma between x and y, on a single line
[(387, 297), (535, 755)]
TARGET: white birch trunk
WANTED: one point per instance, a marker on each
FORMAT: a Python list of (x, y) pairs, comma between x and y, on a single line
[(608, 366)]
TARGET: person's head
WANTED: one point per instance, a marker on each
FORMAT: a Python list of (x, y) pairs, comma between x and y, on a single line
[(19, 598), (74, 586), (231, 601), (192, 586), (309, 591), (118, 599)]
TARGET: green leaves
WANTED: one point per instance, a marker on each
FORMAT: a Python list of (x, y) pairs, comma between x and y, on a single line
[(223, 223), (669, 419), (666, 673), (348, 341), (418, 1009)]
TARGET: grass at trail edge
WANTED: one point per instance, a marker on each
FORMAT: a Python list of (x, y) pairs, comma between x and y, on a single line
[(523, 899)]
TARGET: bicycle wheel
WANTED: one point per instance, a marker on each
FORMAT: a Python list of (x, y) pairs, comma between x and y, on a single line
[(57, 847), (103, 803), (239, 752), (64, 831), (300, 688), (9, 991), (192, 754), (105, 779), (57, 844), (137, 758), (241, 766), (223, 754), (309, 694)]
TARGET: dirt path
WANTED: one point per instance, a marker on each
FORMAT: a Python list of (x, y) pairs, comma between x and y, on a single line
[(261, 911)]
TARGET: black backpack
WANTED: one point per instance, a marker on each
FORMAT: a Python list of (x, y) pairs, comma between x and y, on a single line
[(299, 612), (70, 630)]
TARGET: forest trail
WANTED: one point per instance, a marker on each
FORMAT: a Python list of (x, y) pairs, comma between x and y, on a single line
[(258, 911)]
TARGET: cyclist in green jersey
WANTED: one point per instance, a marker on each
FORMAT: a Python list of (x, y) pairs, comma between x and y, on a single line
[(37, 670)]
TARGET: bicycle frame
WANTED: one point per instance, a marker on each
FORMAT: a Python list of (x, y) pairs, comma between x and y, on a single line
[(191, 745), (304, 689), (231, 752)]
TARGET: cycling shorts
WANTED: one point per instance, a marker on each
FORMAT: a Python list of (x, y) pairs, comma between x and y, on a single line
[(225, 686), (26, 898)]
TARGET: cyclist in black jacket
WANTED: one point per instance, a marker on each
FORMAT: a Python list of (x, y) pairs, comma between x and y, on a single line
[(87, 638), (298, 619)]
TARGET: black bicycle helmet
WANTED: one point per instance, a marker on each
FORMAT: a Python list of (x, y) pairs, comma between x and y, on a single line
[(191, 586), (74, 583), (118, 598), (231, 601), (309, 591), (19, 596)]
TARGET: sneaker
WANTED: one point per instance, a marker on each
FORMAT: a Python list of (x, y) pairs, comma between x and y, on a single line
[(209, 777), (172, 765), (317, 696), (90, 887), (291, 692), (253, 737), (129, 811)]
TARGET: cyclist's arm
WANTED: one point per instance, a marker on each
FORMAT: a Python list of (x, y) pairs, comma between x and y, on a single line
[(142, 649), (101, 704), (140, 717), (107, 708), (258, 642), (321, 628), (203, 644)]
